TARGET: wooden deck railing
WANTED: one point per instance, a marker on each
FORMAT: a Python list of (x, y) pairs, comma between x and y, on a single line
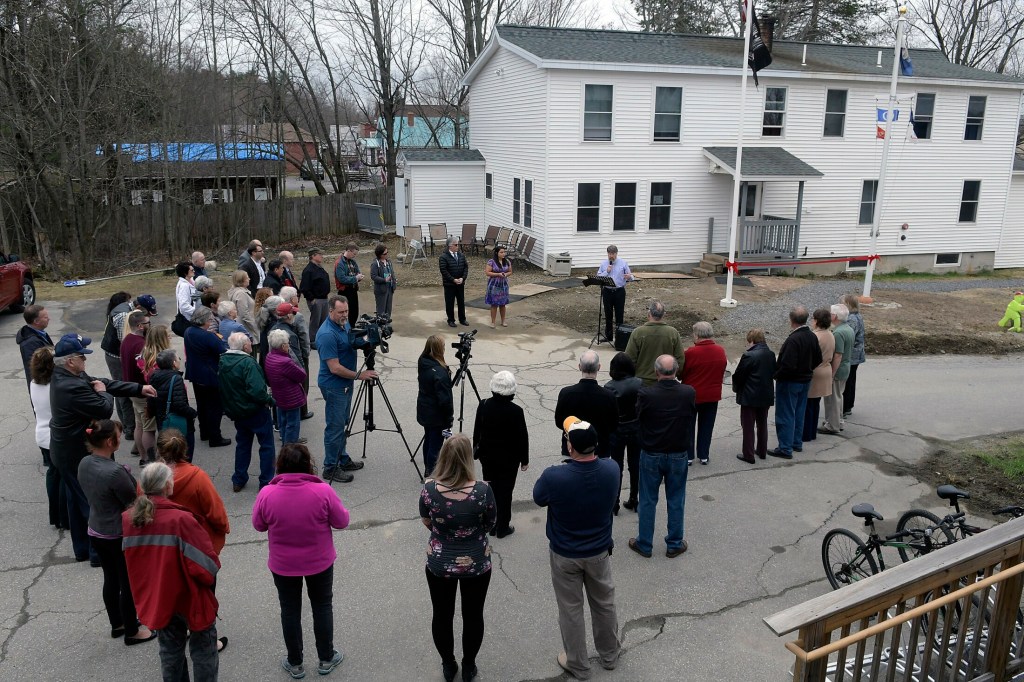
[(771, 237), (953, 614)]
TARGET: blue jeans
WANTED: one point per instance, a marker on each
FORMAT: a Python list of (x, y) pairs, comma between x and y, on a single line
[(671, 467), (288, 424), (790, 405), (338, 401), (260, 426), (78, 518), (432, 442)]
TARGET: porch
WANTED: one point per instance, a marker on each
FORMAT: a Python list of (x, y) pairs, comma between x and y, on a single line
[(761, 238)]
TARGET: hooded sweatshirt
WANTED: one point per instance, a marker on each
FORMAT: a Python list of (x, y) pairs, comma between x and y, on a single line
[(299, 510), (194, 490)]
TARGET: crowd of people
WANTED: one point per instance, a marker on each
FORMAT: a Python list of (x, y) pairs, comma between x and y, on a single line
[(248, 358)]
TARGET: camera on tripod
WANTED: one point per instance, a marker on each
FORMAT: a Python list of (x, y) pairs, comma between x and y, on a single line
[(376, 331), (464, 345)]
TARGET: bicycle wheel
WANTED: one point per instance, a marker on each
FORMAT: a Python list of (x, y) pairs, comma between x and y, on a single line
[(922, 519), (846, 558)]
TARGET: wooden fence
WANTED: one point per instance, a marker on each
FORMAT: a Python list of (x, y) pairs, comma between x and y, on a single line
[(126, 232)]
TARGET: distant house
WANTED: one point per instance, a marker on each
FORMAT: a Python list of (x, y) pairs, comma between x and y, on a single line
[(596, 137), (299, 145), (200, 172)]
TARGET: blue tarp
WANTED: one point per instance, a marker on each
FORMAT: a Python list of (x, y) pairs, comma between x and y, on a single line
[(141, 152)]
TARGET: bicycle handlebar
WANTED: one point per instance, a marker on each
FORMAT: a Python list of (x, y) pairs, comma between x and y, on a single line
[(1013, 510)]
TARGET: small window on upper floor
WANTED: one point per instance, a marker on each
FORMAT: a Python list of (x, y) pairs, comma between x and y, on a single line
[(774, 120), (923, 114), (835, 113), (975, 117), (668, 114), (597, 113)]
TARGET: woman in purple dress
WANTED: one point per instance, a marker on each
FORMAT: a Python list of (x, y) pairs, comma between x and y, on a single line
[(498, 270)]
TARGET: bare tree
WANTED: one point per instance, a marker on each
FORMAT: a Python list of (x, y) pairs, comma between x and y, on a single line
[(987, 34), (554, 13)]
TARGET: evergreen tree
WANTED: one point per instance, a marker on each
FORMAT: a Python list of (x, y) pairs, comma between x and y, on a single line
[(836, 21)]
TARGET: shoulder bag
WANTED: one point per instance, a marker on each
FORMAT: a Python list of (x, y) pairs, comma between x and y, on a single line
[(173, 421)]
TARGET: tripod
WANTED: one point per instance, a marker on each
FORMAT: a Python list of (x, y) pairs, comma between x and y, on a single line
[(364, 397), (602, 282), (464, 372)]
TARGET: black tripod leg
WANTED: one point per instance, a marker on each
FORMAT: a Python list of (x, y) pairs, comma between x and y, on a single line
[(398, 428), (469, 374)]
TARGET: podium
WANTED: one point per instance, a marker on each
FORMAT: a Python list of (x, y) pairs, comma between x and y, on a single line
[(602, 282)]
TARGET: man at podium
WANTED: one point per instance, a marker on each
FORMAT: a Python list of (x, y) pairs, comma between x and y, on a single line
[(614, 297)]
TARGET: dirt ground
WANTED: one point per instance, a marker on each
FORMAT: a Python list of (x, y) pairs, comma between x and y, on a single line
[(899, 323)]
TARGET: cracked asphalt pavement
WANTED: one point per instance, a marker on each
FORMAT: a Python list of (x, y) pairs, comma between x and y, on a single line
[(754, 531)]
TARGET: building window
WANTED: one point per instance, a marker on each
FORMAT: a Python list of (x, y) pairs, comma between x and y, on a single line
[(216, 196), (923, 115), (668, 114), (588, 206), (661, 206), (947, 260), (624, 216), (515, 200), (774, 112), (527, 203), (597, 113), (868, 199), (835, 113), (857, 264), (975, 117), (969, 201), (488, 186)]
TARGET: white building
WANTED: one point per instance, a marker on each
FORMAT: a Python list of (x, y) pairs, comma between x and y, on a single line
[(596, 137)]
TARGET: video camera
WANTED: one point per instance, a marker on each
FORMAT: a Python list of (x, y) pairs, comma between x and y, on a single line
[(464, 345), (376, 330)]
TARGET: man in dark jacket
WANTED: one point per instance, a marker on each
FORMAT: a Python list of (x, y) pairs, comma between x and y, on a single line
[(347, 278), (799, 355), (244, 396), (253, 265), (665, 413), (454, 271), (76, 399), (33, 336), (315, 287), (275, 270), (591, 402)]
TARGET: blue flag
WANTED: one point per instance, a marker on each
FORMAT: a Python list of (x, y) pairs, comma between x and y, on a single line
[(881, 114)]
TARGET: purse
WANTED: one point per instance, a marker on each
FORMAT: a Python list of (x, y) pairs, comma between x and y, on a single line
[(173, 421), (179, 325)]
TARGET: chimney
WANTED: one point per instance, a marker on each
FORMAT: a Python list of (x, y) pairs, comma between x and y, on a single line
[(767, 27)]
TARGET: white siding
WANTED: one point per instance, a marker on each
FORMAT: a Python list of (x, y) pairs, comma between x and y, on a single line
[(449, 193), (507, 105), (528, 123), (1011, 246)]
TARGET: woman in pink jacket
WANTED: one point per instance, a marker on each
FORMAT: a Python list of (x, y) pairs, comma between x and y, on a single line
[(285, 378), (299, 510)]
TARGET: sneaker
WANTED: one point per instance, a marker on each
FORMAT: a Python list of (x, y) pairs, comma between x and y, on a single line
[(326, 667), (338, 474), (351, 465), (297, 672)]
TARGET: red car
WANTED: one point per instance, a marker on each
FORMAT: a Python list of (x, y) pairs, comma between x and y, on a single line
[(17, 289)]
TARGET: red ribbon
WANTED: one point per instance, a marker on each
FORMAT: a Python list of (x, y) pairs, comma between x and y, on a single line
[(735, 265)]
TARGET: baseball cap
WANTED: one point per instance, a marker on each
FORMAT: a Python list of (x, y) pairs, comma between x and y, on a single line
[(148, 302), (314, 251), (72, 344), (286, 309), (581, 435)]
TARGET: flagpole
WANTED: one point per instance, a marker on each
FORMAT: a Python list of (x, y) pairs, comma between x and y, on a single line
[(729, 301), (901, 25)]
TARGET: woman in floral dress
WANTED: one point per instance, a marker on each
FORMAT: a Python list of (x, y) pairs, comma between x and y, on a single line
[(460, 512), (498, 270)]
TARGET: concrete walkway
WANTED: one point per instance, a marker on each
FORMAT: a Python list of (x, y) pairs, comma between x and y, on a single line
[(754, 531)]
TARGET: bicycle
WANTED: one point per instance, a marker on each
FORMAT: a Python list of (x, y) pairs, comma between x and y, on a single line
[(951, 527), (848, 559)]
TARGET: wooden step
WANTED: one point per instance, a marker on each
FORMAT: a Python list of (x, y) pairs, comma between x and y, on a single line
[(717, 268), (714, 258), (701, 272)]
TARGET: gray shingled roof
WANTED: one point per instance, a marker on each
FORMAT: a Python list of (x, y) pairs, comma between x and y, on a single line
[(433, 154), (764, 162), (626, 47)]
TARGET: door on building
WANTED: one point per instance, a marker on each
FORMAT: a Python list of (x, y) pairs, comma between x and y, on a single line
[(750, 236)]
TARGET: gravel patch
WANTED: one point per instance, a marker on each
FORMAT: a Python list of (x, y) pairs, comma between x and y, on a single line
[(773, 316)]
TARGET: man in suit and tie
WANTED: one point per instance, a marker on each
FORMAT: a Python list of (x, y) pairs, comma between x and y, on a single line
[(454, 270)]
